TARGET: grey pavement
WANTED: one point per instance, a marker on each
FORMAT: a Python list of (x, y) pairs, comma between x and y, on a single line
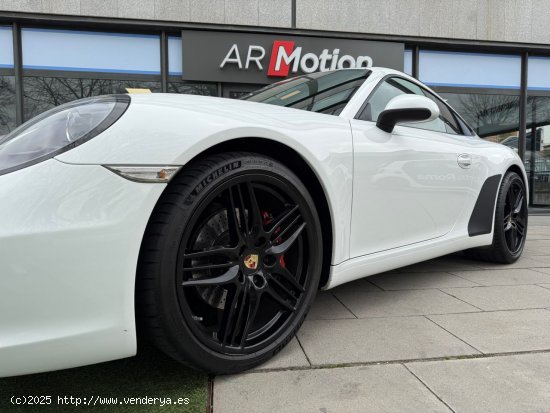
[(445, 335)]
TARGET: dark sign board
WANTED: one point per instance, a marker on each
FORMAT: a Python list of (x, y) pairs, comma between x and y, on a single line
[(266, 58)]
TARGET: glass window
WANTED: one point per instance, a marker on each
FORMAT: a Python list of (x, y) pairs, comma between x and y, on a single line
[(446, 116), (494, 117), (396, 86), (407, 62), (193, 88), (7, 104), (43, 93), (174, 56), (325, 92), (71, 50), (537, 74), (481, 70), (6, 47), (385, 92), (537, 148)]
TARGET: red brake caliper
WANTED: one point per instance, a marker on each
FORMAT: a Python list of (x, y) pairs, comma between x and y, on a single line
[(268, 219)]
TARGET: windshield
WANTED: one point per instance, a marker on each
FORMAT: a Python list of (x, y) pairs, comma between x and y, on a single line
[(324, 92)]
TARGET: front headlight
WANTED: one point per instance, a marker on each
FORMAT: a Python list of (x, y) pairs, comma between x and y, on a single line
[(58, 130)]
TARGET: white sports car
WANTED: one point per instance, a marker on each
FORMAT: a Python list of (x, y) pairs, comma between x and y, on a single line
[(211, 223)]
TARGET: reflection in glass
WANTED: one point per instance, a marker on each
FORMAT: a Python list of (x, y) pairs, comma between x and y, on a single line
[(324, 92), (7, 104), (192, 88), (496, 118), (493, 117), (537, 150), (43, 93)]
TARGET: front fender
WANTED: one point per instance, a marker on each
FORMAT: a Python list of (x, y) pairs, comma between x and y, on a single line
[(174, 129)]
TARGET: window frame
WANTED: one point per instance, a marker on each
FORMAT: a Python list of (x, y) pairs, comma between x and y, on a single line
[(466, 129)]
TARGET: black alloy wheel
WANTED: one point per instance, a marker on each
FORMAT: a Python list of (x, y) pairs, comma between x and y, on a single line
[(230, 263), (510, 224)]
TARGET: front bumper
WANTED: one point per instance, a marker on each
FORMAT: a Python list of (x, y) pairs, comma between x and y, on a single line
[(69, 244)]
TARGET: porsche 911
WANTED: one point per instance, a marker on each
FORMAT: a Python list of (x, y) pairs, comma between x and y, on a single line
[(207, 225)]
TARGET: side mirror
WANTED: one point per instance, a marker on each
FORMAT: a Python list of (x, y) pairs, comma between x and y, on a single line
[(407, 108)]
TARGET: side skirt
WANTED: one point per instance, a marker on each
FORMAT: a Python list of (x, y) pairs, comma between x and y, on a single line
[(370, 264)]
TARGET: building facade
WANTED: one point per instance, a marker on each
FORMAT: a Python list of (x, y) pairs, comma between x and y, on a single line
[(490, 59)]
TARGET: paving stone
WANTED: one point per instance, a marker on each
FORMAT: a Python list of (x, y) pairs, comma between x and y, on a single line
[(539, 220), (505, 276), (523, 262), (497, 384), (508, 297), (536, 250), (386, 388), (500, 331), (538, 235), (418, 281), (542, 258), (290, 356), (327, 307), (543, 270), (538, 243), (402, 303), (377, 339), (533, 254)]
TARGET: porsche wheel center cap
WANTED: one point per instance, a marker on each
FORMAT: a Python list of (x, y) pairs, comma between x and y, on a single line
[(251, 261)]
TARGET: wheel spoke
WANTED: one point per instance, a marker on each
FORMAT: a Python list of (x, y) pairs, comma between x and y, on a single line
[(241, 315), (229, 253), (283, 247), (255, 213), (230, 276), (510, 199), (520, 228), (282, 234), (507, 226), (282, 219), (209, 267), (277, 297), (229, 312), (242, 212), (253, 305), (281, 286), (508, 236), (233, 220), (513, 238), (518, 204), (287, 275)]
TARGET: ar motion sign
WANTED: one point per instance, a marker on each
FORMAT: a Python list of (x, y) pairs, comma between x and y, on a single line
[(286, 58)]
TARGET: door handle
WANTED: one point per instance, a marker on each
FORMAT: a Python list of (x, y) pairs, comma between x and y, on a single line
[(464, 160)]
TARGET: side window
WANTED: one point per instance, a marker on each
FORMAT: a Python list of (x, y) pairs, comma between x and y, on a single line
[(389, 89), (449, 121), (392, 87)]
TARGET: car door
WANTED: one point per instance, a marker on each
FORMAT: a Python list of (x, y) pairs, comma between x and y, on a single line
[(408, 185)]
